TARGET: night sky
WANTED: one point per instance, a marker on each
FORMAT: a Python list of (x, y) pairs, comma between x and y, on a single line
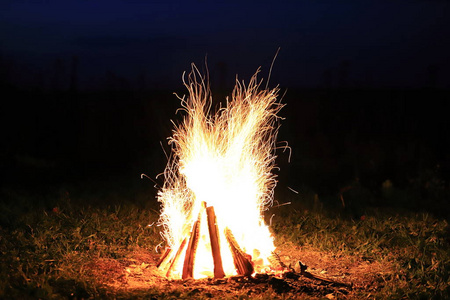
[(382, 43), (87, 86)]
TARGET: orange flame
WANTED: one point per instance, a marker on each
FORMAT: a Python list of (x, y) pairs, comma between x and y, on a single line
[(225, 159)]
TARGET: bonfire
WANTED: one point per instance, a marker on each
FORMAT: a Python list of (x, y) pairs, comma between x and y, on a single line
[(218, 182)]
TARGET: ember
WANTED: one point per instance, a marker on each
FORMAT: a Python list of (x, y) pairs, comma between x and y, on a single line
[(219, 181)]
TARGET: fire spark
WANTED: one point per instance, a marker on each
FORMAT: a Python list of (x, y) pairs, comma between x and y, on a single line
[(219, 181)]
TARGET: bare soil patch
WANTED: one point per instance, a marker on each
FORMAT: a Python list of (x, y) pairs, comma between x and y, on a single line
[(350, 275)]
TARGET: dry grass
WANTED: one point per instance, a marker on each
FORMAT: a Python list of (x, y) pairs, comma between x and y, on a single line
[(59, 249)]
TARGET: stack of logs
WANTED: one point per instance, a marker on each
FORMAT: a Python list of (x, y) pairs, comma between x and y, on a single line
[(242, 261)]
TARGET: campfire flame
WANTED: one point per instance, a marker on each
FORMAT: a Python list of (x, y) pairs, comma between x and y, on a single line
[(222, 159)]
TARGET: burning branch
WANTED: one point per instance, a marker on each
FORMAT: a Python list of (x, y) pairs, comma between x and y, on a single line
[(164, 257), (242, 261), (215, 245), (188, 267), (176, 257)]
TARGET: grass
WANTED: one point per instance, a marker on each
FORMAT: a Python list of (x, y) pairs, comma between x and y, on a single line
[(414, 246), (59, 245), (44, 251)]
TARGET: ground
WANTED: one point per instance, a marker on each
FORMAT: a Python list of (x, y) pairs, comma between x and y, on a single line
[(78, 246), (138, 273)]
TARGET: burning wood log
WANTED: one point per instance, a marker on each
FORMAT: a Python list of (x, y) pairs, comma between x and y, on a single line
[(241, 260), (188, 267), (176, 257), (215, 245), (164, 257)]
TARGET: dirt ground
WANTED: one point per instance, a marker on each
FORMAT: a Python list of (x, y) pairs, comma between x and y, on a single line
[(333, 277)]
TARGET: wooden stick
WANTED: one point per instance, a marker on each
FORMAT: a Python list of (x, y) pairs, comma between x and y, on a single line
[(321, 278), (176, 257), (188, 267), (164, 257), (241, 260), (275, 262), (215, 245)]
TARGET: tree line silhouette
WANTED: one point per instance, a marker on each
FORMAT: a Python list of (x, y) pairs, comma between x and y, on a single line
[(341, 131)]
